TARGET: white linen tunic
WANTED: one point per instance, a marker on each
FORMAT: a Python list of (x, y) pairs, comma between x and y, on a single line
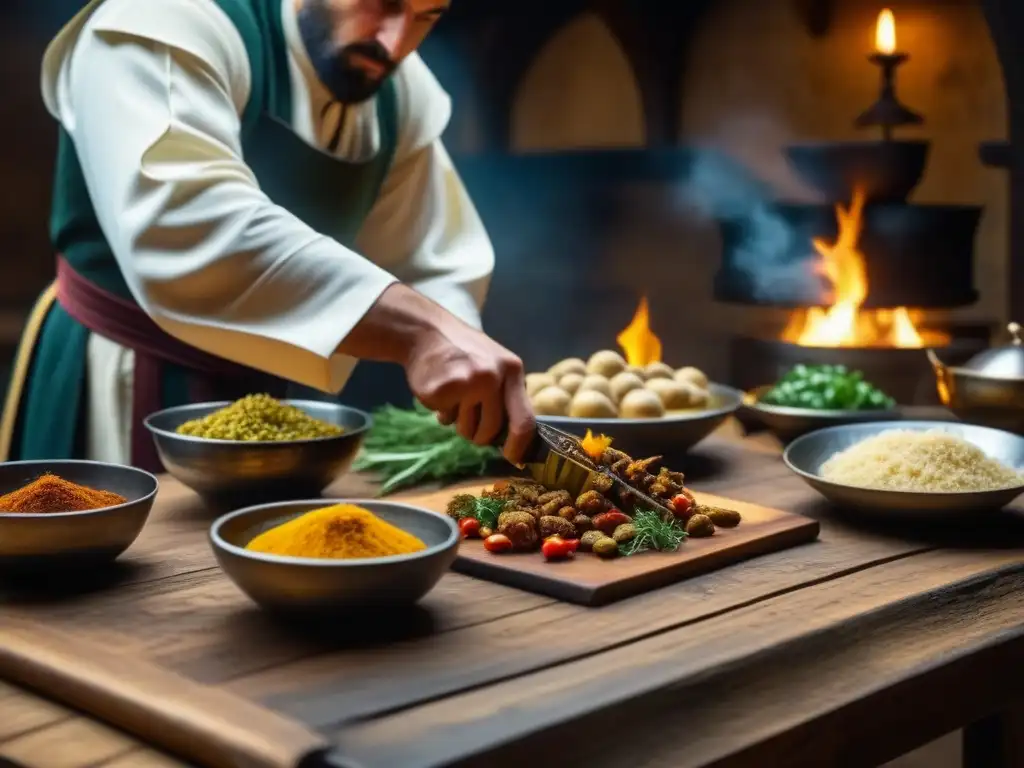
[(185, 217)]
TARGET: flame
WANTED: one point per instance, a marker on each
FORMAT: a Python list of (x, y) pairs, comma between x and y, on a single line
[(639, 344), (595, 445), (885, 33), (844, 323)]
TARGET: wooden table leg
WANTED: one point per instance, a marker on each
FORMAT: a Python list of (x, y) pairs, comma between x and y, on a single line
[(996, 741)]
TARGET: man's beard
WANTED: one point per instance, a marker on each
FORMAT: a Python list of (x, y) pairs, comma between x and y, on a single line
[(336, 67)]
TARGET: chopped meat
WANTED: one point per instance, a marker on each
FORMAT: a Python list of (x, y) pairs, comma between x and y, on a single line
[(568, 512), (610, 456), (521, 529), (602, 483), (591, 503), (556, 526), (552, 501)]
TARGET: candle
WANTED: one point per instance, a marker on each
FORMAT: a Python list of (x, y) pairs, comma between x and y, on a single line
[(885, 33)]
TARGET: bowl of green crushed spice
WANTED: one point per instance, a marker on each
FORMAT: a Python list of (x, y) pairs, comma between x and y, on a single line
[(258, 449), (407, 447), (812, 397)]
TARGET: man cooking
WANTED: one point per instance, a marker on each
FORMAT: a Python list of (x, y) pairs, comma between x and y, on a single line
[(250, 192)]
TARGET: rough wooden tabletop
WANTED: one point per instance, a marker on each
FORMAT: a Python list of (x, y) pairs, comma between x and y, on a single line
[(851, 650)]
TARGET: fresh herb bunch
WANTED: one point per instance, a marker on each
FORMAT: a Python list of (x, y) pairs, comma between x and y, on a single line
[(827, 387), (406, 447), (654, 532), (484, 509)]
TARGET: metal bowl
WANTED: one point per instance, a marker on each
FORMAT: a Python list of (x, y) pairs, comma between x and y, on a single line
[(806, 454), (235, 473), (672, 435), (66, 540), (788, 423), (312, 585)]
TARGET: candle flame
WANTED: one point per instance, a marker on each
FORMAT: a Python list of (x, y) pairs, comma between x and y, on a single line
[(885, 33)]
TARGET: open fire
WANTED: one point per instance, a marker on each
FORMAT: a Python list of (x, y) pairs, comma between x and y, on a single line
[(640, 346), (845, 323)]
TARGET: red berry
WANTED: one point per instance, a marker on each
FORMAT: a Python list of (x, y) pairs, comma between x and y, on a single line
[(557, 548), (469, 527), (498, 543), (682, 506)]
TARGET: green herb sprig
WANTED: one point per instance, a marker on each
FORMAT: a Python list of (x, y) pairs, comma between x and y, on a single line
[(406, 447), (654, 532), (486, 510)]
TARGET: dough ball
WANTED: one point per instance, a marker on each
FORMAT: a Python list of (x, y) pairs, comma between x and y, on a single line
[(637, 370), (699, 398), (622, 383), (569, 365), (595, 383), (571, 382), (675, 395), (551, 401), (606, 363), (658, 371), (535, 382), (691, 375), (641, 404), (590, 404)]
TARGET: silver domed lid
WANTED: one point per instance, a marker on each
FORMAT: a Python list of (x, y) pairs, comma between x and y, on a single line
[(1006, 362)]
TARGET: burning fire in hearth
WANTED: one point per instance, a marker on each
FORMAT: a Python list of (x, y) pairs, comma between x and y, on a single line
[(845, 323), (639, 344)]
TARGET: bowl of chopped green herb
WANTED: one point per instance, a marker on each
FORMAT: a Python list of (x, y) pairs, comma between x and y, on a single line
[(811, 397), (406, 447)]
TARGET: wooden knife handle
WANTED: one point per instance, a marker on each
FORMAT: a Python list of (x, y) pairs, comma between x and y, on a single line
[(196, 722)]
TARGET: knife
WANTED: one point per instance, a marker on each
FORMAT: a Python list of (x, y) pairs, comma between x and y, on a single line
[(548, 440)]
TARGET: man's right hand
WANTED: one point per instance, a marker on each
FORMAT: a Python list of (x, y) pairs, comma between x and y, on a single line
[(474, 383), (461, 373)]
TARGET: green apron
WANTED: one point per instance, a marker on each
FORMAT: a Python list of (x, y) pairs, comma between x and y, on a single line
[(331, 196)]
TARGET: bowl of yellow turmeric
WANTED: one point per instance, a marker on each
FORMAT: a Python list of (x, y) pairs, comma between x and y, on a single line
[(324, 556)]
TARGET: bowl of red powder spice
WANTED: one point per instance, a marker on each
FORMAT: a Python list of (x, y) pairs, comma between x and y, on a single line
[(70, 514)]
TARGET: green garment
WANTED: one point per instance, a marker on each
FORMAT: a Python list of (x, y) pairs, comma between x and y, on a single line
[(331, 196)]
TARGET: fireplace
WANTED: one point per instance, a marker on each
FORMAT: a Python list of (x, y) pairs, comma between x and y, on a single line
[(578, 124), (864, 277)]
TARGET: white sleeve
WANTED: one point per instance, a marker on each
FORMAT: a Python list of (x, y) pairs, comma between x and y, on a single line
[(151, 98), (424, 226)]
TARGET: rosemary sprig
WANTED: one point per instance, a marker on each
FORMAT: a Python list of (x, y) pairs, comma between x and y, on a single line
[(653, 532), (406, 447)]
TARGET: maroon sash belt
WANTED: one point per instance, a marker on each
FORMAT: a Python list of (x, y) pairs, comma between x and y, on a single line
[(125, 323)]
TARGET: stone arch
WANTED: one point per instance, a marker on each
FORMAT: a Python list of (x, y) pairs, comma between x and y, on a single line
[(578, 92)]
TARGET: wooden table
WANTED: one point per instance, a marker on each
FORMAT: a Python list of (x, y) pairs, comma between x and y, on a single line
[(849, 651)]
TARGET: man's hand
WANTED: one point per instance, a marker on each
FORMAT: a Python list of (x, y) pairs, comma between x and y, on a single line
[(452, 368), (474, 383)]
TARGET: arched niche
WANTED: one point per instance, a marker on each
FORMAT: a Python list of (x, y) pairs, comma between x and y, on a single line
[(578, 93)]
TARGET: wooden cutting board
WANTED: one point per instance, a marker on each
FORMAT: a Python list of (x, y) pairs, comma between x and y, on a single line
[(588, 580)]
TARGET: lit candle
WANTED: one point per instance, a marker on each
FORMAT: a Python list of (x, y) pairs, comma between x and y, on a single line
[(885, 33)]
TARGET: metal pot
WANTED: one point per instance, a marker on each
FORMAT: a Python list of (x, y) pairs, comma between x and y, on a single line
[(989, 388)]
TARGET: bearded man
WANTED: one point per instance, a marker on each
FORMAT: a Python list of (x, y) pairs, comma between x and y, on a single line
[(250, 193)]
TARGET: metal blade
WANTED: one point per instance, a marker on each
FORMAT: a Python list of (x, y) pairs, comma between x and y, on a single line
[(550, 440)]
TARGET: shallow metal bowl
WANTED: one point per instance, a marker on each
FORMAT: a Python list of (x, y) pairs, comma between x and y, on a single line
[(314, 585), (235, 473), (66, 540), (806, 454), (672, 435), (788, 423)]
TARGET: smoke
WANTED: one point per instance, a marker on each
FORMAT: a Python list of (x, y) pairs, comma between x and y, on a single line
[(776, 259)]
